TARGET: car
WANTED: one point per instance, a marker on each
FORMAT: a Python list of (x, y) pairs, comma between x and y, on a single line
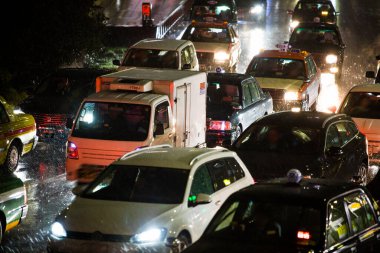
[(324, 42), (252, 10), (156, 198), (309, 10), (291, 77), (160, 53), (295, 214), (13, 202), (320, 145), (214, 11), (372, 74), (18, 135), (234, 102), (362, 103), (216, 44), (62, 91)]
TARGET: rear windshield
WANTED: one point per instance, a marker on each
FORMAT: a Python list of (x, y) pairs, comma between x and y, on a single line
[(151, 58), (113, 121), (207, 34), (223, 94), (315, 35), (362, 105), (263, 221), (211, 13), (139, 184)]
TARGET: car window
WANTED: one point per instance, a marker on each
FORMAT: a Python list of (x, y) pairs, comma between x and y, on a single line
[(345, 133), (337, 227), (151, 58), (162, 115), (202, 182), (185, 57), (362, 105), (332, 137), (360, 211), (3, 115), (237, 170), (311, 66), (221, 174), (247, 98), (255, 94)]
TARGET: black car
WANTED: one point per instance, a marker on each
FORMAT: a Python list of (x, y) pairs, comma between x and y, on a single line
[(287, 215), (234, 101), (309, 10), (252, 10), (372, 74), (323, 41), (214, 11), (320, 145), (57, 98)]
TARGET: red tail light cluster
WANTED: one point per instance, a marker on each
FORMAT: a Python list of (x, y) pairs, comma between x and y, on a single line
[(303, 235), (219, 125), (72, 150)]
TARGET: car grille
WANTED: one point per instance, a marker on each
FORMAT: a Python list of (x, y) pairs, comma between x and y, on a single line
[(49, 120), (97, 236), (205, 58)]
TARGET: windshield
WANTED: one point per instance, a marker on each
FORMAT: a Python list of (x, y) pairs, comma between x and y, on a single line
[(274, 138), (315, 36), (211, 13), (151, 58), (223, 94), (207, 34), (362, 105), (263, 221), (113, 121), (139, 184), (314, 7), (277, 68)]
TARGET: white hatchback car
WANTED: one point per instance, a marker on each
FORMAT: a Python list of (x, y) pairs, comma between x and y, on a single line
[(362, 103), (152, 199)]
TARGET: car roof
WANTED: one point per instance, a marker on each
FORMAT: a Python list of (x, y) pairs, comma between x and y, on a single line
[(123, 97), (162, 44), (223, 24), (281, 54), (366, 88), (227, 78), (178, 158), (315, 1), (305, 118), (310, 191)]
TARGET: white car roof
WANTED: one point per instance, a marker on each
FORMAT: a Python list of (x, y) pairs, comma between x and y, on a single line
[(123, 97), (162, 44), (179, 158), (366, 88)]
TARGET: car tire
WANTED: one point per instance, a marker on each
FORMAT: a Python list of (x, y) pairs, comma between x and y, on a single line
[(363, 174), (183, 241), (13, 157)]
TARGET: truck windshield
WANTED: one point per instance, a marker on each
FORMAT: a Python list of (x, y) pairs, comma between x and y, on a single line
[(139, 184), (151, 58), (113, 121)]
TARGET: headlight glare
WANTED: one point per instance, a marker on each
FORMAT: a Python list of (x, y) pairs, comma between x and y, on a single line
[(291, 95), (221, 56), (150, 236), (58, 230), (294, 24), (331, 59), (256, 9)]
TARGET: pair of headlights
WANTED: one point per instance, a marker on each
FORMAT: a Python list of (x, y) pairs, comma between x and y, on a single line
[(148, 236)]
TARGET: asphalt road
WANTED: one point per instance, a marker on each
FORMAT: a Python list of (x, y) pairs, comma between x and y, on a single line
[(43, 170)]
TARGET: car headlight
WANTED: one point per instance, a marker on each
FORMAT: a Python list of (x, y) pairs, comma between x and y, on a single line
[(221, 56), (150, 236), (58, 230), (331, 59), (291, 95), (294, 24), (256, 9)]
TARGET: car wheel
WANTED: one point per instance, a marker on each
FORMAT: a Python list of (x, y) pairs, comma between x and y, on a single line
[(12, 159), (182, 243), (363, 174)]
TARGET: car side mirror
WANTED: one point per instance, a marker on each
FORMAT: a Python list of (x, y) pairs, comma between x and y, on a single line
[(370, 74), (186, 66), (116, 62), (159, 129), (199, 199), (337, 13), (335, 151), (69, 123), (77, 190)]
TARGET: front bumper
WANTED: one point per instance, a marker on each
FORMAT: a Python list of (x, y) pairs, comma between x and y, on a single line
[(220, 138), (89, 246)]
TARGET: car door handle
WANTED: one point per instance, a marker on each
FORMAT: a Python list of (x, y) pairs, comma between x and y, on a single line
[(218, 203)]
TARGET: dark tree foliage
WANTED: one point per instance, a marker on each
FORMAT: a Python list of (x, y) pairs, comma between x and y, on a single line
[(42, 35)]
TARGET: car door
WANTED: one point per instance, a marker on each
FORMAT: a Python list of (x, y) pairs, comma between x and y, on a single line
[(5, 130), (245, 112), (257, 110), (314, 81), (333, 155)]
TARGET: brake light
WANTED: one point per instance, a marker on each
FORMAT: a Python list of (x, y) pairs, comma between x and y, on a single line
[(72, 150), (303, 235), (219, 125), (98, 84)]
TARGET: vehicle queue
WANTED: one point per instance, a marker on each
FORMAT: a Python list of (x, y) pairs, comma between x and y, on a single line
[(351, 214)]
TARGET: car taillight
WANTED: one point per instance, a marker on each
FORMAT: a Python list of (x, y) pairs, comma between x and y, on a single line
[(72, 150), (303, 235), (219, 125)]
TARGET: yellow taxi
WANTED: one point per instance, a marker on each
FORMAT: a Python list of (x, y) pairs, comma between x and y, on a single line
[(217, 44), (17, 135), (291, 77)]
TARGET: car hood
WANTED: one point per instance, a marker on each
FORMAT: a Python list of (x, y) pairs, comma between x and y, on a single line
[(210, 47), (219, 111), (267, 165), (369, 127), (50, 105), (278, 83), (113, 217)]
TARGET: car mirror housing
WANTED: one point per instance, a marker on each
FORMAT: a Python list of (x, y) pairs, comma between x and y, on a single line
[(199, 199), (370, 74), (335, 151)]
